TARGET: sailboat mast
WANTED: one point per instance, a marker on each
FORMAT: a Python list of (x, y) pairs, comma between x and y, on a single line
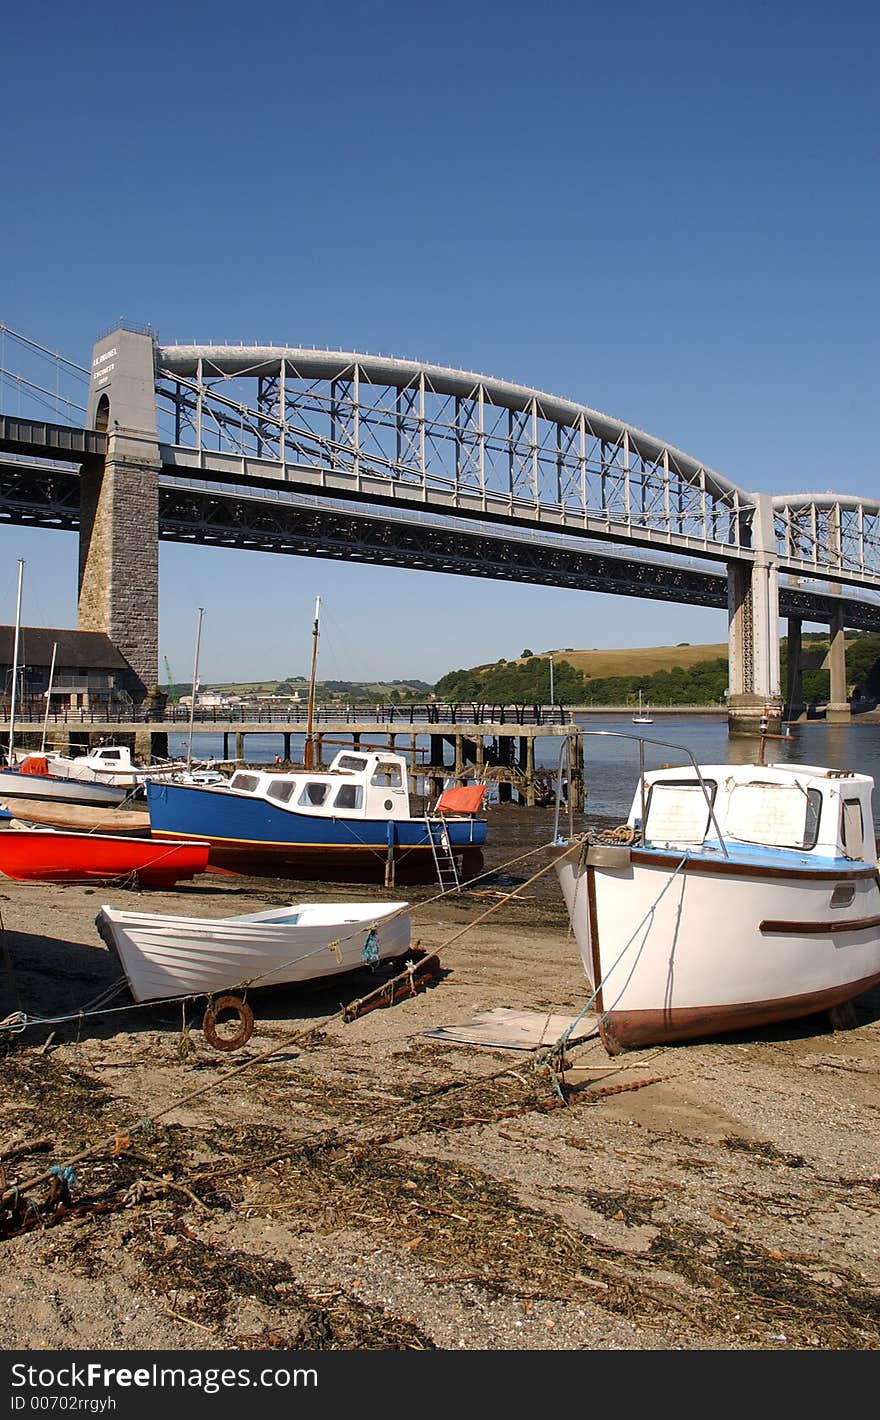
[(15, 663), (195, 686), (49, 697), (308, 748)]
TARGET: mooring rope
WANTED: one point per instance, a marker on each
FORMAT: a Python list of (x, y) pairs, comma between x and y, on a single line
[(121, 1138), (20, 1020), (556, 1050)]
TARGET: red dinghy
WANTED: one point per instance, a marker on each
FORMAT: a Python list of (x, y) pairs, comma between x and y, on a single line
[(52, 856)]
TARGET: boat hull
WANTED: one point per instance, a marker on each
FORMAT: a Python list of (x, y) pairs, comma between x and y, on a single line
[(49, 788), (252, 836), (678, 948), (50, 856), (82, 818), (164, 956)]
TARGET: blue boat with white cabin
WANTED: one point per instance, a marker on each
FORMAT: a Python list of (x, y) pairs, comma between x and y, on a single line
[(352, 820)]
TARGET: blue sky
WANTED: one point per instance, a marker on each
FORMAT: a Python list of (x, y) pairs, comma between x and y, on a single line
[(667, 212)]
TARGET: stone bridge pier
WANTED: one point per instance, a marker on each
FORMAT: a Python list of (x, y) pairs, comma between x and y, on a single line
[(119, 506), (753, 632)]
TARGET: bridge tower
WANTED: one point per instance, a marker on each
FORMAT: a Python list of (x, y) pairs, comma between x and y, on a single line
[(119, 505), (753, 630)]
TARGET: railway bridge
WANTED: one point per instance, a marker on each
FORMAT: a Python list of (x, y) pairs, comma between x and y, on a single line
[(376, 459)]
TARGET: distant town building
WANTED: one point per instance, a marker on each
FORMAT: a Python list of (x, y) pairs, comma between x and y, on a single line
[(212, 700)]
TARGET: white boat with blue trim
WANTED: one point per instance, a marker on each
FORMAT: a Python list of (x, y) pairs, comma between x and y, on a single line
[(736, 896)]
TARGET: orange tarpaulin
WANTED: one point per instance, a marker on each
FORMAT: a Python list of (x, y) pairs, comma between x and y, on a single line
[(463, 799), (34, 764)]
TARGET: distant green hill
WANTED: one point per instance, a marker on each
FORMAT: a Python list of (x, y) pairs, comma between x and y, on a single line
[(666, 675)]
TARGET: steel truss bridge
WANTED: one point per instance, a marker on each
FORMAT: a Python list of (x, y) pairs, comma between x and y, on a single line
[(377, 459)]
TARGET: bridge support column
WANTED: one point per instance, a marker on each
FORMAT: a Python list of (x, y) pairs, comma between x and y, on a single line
[(794, 679), (838, 708), (753, 631), (119, 508)]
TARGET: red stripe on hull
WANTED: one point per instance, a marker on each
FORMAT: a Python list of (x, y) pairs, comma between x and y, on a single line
[(631, 1030)]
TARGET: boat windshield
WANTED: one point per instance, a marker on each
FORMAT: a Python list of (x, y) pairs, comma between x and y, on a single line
[(678, 811), (776, 815)]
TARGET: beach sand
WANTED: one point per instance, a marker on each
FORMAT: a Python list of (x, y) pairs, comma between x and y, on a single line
[(367, 1186)]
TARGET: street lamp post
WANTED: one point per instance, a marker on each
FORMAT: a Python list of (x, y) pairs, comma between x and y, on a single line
[(552, 701)]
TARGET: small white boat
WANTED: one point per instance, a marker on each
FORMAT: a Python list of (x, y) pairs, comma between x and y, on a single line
[(105, 776), (736, 895), (110, 764), (642, 718), (41, 778), (204, 778), (164, 956)]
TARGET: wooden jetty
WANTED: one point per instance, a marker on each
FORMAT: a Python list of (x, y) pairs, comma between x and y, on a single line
[(502, 754)]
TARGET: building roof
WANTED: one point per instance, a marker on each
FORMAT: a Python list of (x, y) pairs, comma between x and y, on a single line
[(77, 650)]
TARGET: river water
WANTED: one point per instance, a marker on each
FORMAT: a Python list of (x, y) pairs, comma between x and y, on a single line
[(611, 764)]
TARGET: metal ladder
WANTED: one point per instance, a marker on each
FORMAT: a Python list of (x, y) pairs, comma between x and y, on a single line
[(444, 858)]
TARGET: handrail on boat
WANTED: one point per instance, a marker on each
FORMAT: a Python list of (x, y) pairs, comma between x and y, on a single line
[(641, 740)]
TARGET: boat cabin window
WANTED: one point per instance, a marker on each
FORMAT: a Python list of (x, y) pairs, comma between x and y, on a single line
[(314, 794), (843, 895), (677, 811), (387, 776), (777, 815), (349, 796), (852, 828), (351, 761), (109, 754), (281, 791), (247, 782)]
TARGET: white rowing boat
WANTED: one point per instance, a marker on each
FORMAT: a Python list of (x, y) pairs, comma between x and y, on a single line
[(164, 956)]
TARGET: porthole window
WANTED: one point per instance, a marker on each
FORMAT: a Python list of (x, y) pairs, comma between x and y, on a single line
[(843, 894)]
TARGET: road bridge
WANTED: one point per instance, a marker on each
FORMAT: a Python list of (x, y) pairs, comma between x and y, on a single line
[(376, 459)]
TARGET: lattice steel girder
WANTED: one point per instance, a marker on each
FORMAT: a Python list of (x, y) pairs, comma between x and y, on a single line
[(44, 496), (362, 423), (506, 508), (831, 535), (39, 495), (216, 519)]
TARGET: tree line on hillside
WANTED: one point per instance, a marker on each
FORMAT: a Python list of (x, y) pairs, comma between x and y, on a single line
[(527, 681)]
